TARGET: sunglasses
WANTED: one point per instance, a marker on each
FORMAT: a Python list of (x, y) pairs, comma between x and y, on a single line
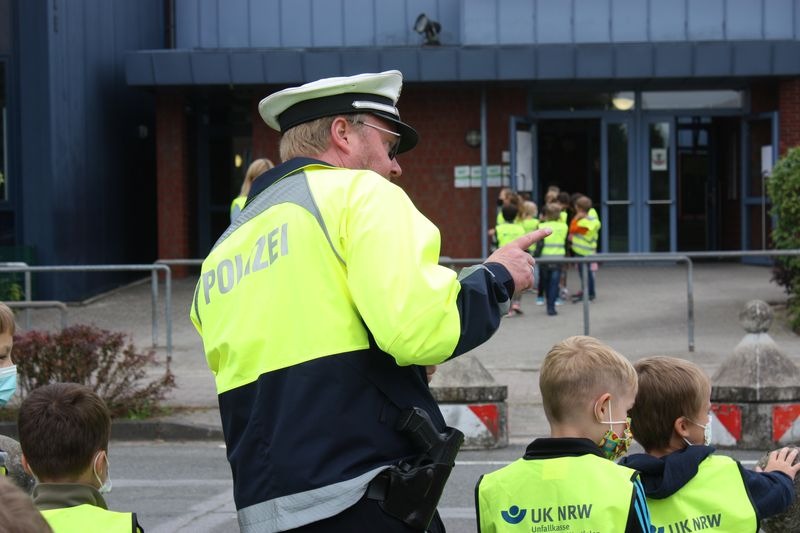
[(395, 146)]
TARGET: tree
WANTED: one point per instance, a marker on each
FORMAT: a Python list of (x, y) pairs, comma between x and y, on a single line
[(784, 190)]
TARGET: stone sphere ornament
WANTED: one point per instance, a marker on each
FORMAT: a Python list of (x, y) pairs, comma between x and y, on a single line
[(756, 317)]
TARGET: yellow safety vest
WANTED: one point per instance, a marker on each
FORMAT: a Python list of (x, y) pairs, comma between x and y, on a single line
[(88, 518), (292, 308), (294, 252), (586, 244), (584, 493), (554, 243), (529, 225), (507, 232), (237, 205), (715, 499)]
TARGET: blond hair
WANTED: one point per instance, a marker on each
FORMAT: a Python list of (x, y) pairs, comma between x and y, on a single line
[(7, 324), (311, 138), (256, 168), (529, 209), (578, 369), (552, 211), (669, 388)]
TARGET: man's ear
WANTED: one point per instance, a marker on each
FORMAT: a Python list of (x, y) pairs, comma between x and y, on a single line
[(341, 135)]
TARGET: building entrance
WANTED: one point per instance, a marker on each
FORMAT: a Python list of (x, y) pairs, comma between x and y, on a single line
[(661, 182), (569, 156)]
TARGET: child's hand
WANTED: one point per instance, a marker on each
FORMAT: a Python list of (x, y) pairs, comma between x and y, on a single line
[(782, 461)]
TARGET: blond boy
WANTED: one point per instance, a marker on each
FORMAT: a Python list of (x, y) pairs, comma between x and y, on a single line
[(685, 483), (569, 482)]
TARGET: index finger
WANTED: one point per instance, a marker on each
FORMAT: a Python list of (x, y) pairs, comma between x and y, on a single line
[(525, 242)]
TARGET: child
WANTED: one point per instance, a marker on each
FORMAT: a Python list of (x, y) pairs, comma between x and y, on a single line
[(505, 197), (256, 168), (684, 480), (64, 430), (552, 246), (507, 231), (583, 234), (569, 482)]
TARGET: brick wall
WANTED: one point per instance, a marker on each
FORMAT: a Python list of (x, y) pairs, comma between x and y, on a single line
[(442, 116), (175, 225), (789, 108)]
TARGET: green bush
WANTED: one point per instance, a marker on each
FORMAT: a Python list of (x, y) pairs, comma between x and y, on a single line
[(10, 290), (95, 357), (783, 188)]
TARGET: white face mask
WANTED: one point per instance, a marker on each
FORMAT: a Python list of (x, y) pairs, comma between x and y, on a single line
[(706, 432), (105, 487)]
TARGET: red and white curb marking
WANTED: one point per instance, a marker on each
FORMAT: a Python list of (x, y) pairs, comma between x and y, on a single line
[(482, 424), (786, 423), (726, 424)]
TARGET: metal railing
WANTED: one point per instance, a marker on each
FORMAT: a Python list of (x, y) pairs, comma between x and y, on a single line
[(42, 304), (153, 269), (26, 290), (682, 257), (654, 257)]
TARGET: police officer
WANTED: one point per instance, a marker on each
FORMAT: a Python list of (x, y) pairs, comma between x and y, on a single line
[(313, 405)]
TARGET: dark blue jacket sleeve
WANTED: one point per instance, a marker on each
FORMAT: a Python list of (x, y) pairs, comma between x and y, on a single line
[(482, 301), (771, 492)]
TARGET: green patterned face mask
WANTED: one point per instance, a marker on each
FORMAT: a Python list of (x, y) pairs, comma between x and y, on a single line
[(613, 445)]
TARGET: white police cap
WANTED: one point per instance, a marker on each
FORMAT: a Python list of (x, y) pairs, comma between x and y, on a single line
[(374, 93)]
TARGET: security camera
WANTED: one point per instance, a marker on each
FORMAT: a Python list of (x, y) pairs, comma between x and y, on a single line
[(429, 28)]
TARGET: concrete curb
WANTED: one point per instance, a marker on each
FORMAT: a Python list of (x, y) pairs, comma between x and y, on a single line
[(145, 430)]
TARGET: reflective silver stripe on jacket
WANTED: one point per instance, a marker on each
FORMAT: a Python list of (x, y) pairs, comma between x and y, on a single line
[(290, 189), (295, 510)]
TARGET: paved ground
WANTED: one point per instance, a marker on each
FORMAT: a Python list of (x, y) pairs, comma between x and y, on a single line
[(640, 310)]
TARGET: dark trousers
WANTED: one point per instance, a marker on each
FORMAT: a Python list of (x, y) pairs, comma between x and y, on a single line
[(366, 515), (551, 276)]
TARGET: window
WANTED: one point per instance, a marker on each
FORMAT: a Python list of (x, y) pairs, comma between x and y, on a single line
[(692, 100)]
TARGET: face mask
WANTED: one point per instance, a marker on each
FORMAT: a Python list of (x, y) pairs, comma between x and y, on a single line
[(614, 446), (706, 432), (8, 383), (499, 202), (105, 487)]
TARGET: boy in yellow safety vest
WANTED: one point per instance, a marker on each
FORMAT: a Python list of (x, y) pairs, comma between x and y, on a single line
[(63, 431), (569, 482), (584, 230), (552, 246), (685, 482)]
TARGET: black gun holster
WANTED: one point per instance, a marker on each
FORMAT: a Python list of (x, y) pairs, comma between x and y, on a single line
[(410, 490)]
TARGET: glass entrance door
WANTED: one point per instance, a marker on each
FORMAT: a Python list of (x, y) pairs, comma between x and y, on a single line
[(658, 224), (759, 151), (616, 187)]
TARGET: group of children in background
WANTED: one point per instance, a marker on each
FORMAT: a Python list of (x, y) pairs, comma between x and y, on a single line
[(596, 401), (575, 229)]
